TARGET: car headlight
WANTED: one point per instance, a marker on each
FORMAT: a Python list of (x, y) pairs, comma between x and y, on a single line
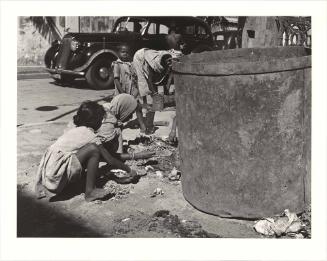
[(74, 45)]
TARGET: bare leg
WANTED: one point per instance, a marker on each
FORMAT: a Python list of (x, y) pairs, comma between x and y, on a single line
[(150, 121), (172, 134), (140, 118), (89, 157)]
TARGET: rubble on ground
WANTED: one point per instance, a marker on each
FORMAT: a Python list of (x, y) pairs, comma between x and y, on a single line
[(163, 165), (163, 223), (118, 191)]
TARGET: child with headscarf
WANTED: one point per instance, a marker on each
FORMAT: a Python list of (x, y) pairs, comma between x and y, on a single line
[(119, 111)]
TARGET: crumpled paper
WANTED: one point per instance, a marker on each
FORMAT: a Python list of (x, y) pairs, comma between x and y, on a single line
[(156, 192), (287, 224), (174, 175)]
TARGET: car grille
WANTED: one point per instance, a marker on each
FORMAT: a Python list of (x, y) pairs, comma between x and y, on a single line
[(64, 53)]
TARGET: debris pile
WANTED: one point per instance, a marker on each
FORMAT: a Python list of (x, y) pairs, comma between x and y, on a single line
[(116, 190), (162, 223), (164, 164), (287, 225)]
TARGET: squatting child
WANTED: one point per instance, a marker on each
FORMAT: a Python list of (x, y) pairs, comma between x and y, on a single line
[(77, 149)]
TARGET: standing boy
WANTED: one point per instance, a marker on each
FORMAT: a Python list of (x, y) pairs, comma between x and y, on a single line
[(125, 80)]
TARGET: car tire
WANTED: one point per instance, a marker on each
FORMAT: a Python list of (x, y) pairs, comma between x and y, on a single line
[(99, 75)]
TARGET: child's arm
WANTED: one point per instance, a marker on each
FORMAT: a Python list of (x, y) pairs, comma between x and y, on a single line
[(113, 161), (117, 78), (118, 85)]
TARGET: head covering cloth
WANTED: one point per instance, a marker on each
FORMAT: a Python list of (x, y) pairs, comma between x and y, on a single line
[(122, 106)]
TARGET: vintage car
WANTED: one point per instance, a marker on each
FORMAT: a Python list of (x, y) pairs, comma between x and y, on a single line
[(89, 55)]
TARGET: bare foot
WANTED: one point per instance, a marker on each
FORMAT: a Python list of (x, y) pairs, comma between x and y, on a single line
[(95, 194)]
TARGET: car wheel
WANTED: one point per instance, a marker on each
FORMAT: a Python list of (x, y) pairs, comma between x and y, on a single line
[(99, 75)]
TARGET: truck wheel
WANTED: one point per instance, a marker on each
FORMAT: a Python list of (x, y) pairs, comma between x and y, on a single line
[(99, 75)]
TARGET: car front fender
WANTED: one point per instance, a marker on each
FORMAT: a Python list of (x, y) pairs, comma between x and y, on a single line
[(95, 56)]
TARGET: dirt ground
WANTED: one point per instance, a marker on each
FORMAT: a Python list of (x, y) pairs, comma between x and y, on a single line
[(130, 210)]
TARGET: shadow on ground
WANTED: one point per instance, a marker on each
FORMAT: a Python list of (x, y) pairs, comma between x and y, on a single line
[(36, 219)]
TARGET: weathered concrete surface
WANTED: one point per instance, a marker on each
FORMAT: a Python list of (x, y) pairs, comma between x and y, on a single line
[(72, 216), (244, 124)]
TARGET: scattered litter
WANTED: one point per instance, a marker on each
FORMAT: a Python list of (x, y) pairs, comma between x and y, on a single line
[(162, 223), (289, 224), (264, 227), (164, 163), (125, 219), (118, 171), (99, 202), (149, 168), (295, 227), (118, 191), (165, 222), (297, 236), (141, 172), (159, 174), (174, 175), (156, 192)]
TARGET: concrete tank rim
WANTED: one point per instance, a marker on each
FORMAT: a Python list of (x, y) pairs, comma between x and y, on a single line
[(245, 50), (211, 68)]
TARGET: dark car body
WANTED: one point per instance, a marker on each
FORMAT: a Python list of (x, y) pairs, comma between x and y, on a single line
[(89, 55)]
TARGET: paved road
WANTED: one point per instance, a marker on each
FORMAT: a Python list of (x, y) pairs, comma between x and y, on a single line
[(34, 93)]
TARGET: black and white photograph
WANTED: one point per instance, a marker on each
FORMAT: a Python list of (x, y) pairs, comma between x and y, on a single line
[(149, 126)]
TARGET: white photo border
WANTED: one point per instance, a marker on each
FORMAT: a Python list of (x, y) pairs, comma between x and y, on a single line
[(13, 248)]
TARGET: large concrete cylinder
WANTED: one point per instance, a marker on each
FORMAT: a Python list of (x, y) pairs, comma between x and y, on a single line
[(243, 120)]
